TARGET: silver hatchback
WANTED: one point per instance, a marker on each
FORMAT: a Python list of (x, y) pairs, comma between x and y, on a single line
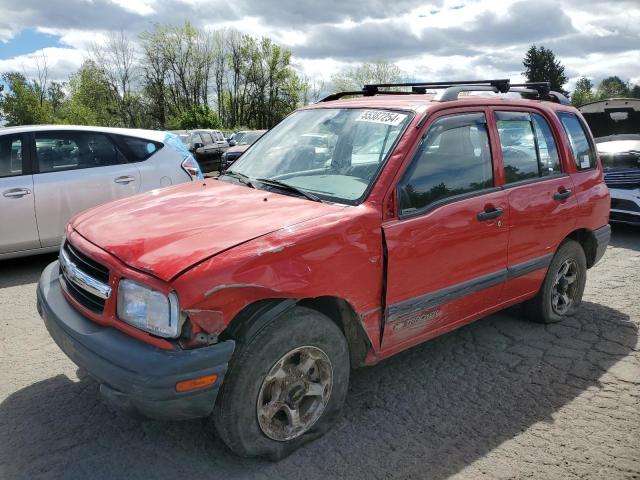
[(49, 173)]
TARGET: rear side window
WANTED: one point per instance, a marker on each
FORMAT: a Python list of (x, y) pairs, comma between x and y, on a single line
[(583, 152), (11, 156), (518, 146), (453, 159), (528, 147), (140, 148), (60, 151), (547, 149)]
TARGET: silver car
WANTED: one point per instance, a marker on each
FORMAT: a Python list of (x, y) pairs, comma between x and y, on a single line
[(49, 173)]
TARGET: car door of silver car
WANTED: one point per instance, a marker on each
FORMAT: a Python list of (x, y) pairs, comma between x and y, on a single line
[(17, 213), (76, 171)]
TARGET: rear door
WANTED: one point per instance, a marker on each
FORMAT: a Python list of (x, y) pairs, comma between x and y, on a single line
[(541, 199), (76, 170), (447, 250), (17, 210)]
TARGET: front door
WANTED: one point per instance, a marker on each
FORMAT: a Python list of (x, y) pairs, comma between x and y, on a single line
[(447, 250), (17, 212), (77, 171)]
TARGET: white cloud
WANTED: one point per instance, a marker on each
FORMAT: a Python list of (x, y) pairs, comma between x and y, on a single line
[(60, 63), (437, 39)]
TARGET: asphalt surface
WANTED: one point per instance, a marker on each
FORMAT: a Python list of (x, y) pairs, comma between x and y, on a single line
[(501, 398)]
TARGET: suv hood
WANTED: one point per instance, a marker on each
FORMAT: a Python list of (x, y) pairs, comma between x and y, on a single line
[(164, 232)]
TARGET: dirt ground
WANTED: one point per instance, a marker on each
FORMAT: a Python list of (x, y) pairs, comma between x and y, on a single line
[(501, 398)]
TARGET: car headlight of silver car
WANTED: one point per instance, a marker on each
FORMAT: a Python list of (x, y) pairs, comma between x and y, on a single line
[(149, 309)]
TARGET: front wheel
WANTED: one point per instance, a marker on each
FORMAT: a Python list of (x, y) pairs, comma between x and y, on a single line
[(285, 386), (563, 286)]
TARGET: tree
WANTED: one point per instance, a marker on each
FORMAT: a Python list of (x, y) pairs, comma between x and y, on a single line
[(612, 87), (118, 65), (20, 102), (379, 71), (92, 101), (199, 117), (541, 65), (583, 92)]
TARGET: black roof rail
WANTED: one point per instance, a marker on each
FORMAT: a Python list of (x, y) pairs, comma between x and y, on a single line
[(541, 90)]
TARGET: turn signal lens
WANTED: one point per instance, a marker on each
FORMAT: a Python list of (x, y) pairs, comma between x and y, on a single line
[(196, 383)]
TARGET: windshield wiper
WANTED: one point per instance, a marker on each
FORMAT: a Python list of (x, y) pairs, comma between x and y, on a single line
[(244, 179), (291, 188)]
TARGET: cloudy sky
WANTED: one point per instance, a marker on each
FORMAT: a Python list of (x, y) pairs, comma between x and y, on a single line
[(434, 40)]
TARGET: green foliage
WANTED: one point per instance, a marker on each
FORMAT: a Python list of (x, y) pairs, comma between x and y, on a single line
[(20, 103), (200, 116), (541, 65), (583, 92), (610, 87), (613, 87), (91, 101), (379, 71)]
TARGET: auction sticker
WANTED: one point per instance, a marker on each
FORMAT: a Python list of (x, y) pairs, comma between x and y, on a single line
[(585, 163), (381, 116)]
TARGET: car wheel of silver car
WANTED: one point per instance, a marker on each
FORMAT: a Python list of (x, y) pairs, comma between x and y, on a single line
[(286, 385), (563, 286)]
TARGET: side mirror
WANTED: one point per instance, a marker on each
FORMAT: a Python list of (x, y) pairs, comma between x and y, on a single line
[(197, 145), (232, 143)]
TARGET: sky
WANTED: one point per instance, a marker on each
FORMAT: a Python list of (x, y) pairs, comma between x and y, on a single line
[(430, 41)]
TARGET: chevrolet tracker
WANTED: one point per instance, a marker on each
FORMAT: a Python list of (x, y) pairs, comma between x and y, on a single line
[(251, 296)]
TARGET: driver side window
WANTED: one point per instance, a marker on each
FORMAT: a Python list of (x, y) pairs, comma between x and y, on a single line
[(454, 159)]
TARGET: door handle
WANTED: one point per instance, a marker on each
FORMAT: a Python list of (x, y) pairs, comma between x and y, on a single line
[(16, 192), (562, 194), (490, 213), (125, 179)]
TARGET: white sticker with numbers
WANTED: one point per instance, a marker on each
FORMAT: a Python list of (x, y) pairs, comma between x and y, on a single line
[(585, 163), (381, 116)]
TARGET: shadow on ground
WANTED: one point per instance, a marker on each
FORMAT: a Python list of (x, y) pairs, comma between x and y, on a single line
[(625, 236), (20, 271), (429, 411)]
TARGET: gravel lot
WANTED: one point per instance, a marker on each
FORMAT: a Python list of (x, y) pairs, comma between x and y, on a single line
[(502, 398)]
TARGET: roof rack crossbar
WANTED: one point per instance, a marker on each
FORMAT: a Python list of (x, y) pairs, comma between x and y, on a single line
[(452, 93), (541, 90)]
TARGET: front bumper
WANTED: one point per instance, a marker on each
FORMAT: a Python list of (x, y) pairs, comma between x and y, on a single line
[(133, 376), (625, 205)]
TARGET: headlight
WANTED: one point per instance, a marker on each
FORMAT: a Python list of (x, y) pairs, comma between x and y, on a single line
[(148, 309)]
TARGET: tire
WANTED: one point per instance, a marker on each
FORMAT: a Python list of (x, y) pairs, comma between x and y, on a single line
[(254, 383), (546, 307)]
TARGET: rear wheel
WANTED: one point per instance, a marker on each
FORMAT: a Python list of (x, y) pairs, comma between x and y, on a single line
[(286, 385), (563, 286)]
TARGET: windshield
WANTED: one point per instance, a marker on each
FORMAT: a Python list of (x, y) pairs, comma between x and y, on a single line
[(334, 154), (250, 137)]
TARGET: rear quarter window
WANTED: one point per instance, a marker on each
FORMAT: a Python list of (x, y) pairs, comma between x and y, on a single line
[(140, 149), (583, 151)]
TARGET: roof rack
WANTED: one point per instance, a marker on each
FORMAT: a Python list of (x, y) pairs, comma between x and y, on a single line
[(451, 90)]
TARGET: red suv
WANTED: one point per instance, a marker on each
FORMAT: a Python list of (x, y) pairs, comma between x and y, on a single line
[(250, 296)]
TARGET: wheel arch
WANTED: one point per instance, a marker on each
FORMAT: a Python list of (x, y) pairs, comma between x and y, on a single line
[(587, 240), (255, 316)]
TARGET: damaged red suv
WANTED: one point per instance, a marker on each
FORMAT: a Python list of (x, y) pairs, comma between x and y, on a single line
[(251, 296)]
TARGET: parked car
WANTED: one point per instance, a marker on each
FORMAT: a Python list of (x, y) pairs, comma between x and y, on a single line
[(239, 148), (207, 146), (616, 125), (49, 173), (235, 137), (250, 296)]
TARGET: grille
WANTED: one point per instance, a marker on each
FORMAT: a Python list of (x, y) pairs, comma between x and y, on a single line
[(625, 217), (621, 204), (88, 267), (623, 178)]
